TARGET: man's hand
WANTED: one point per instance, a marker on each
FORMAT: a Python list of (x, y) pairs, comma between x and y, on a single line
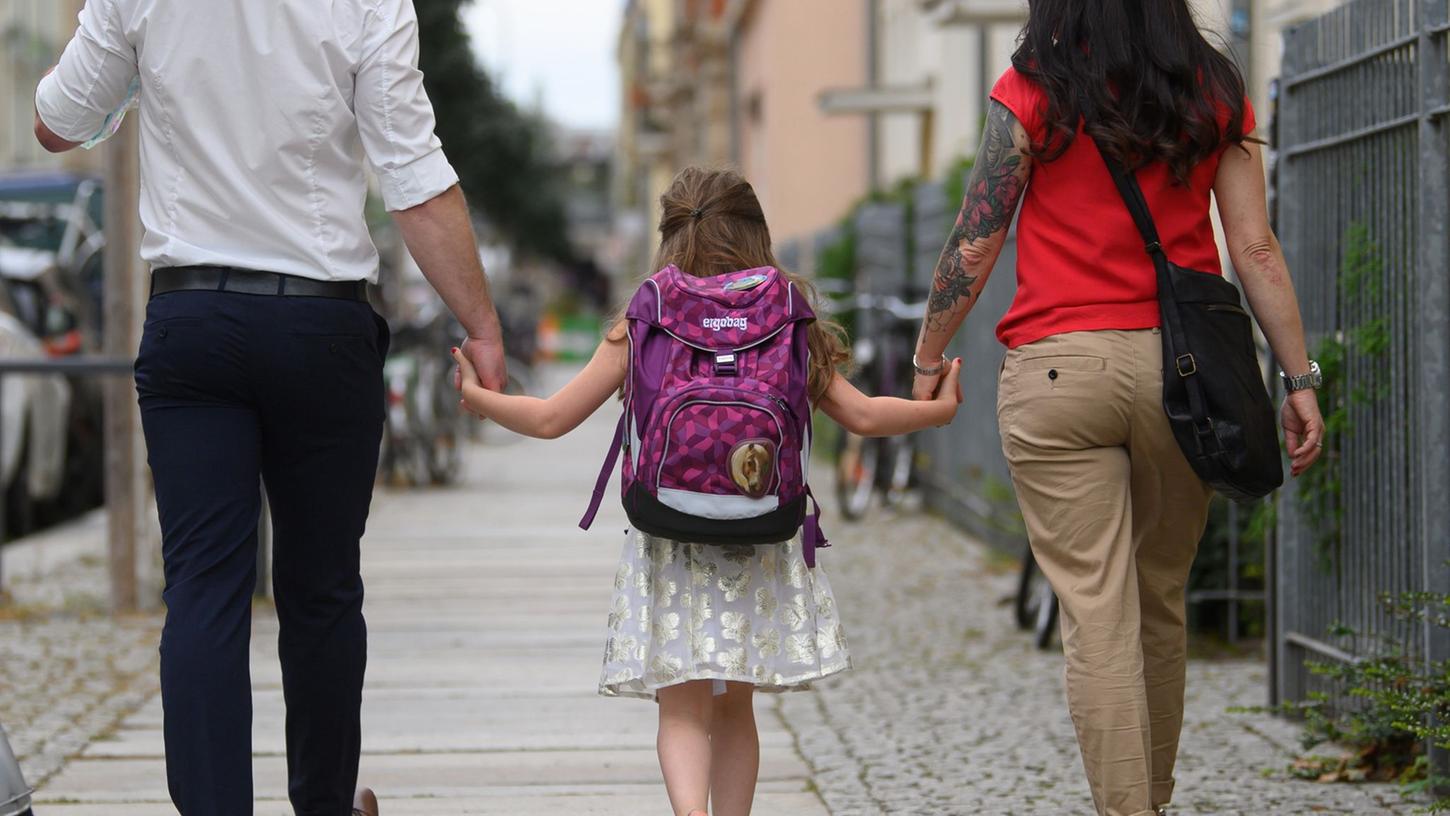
[(487, 359)]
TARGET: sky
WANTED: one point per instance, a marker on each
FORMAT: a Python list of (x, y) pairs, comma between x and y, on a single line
[(559, 51)]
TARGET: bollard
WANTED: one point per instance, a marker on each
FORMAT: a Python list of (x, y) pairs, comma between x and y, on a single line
[(14, 793)]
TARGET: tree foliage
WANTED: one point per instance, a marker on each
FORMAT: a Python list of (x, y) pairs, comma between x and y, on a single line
[(502, 154)]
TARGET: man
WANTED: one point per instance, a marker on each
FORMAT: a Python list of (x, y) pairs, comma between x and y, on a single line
[(261, 358)]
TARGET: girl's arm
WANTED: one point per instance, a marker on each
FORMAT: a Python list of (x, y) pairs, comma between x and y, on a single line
[(553, 417), (890, 416)]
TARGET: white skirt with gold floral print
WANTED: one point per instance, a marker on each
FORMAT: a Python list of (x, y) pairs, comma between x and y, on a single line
[(704, 612)]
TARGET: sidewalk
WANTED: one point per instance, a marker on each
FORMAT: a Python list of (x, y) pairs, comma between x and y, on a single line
[(486, 609), (486, 612)]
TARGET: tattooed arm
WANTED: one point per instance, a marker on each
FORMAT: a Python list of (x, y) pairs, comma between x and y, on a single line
[(998, 178)]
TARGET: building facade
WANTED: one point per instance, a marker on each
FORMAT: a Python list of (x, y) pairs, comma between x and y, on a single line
[(32, 34)]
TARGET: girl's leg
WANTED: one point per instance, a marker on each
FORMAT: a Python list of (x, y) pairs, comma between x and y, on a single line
[(735, 746), (684, 744)]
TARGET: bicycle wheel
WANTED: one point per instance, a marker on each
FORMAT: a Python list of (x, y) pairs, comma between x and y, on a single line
[(857, 463), (1046, 625), (1024, 606), (901, 464)]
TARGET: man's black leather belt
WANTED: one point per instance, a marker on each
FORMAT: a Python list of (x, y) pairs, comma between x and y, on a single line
[(250, 282)]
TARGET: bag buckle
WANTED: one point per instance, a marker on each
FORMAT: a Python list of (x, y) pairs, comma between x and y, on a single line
[(725, 364), (1153, 247), (1187, 365)]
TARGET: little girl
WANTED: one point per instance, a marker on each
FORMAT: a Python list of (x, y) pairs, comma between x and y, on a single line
[(699, 627)]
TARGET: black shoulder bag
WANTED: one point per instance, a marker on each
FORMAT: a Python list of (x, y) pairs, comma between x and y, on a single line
[(1213, 389)]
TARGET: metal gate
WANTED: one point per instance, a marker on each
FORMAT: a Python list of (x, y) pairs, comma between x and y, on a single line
[(1362, 205)]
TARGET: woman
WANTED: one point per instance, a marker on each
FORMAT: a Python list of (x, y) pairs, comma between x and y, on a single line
[(1112, 507)]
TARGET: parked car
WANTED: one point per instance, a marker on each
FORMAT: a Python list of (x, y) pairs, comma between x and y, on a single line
[(51, 253), (34, 414)]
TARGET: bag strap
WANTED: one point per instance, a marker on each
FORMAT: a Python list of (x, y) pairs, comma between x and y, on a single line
[(812, 537), (1184, 364), (602, 484)]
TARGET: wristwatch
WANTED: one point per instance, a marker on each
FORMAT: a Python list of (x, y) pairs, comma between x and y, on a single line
[(1314, 379)]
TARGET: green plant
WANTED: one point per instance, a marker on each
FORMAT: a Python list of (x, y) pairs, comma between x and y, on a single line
[(1394, 703), (1360, 346)]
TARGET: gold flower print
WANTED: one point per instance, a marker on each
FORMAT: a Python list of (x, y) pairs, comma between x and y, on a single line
[(798, 648), (794, 614), (702, 572), (767, 562), (665, 667), (767, 643), (702, 649), (644, 617), (826, 642), (735, 586), (641, 584), (740, 555), (759, 673), (733, 661), (797, 574), (765, 603), (621, 577), (664, 590), (622, 649), (666, 628), (825, 604), (734, 626), (701, 612), (619, 613)]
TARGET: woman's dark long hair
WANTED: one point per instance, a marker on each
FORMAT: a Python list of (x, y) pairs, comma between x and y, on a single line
[(1154, 88)]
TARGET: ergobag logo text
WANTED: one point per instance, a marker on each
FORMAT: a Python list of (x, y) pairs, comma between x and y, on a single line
[(723, 323), (716, 432)]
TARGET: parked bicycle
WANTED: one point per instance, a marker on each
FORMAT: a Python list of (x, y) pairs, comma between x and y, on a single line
[(886, 332), (1036, 603), (423, 430)]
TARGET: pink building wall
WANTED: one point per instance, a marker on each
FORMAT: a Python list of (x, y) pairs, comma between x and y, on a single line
[(807, 167)]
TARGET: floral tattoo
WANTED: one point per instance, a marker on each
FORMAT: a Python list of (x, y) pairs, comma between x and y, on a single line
[(998, 178)]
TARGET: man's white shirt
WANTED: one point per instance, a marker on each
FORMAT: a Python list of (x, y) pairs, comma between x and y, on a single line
[(255, 120)]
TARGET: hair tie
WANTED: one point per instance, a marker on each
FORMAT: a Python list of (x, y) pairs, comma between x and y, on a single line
[(697, 213)]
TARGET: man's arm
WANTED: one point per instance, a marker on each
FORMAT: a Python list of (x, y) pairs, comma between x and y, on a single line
[(440, 237), (91, 80), (998, 179), (395, 121), (49, 140)]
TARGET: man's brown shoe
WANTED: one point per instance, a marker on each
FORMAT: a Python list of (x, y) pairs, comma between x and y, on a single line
[(365, 803)]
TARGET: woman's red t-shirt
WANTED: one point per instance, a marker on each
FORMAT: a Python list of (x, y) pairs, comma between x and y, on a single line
[(1080, 260)]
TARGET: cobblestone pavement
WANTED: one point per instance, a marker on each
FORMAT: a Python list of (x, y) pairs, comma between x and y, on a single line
[(68, 671), (950, 710)]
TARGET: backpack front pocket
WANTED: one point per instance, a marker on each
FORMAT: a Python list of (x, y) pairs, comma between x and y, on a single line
[(723, 452)]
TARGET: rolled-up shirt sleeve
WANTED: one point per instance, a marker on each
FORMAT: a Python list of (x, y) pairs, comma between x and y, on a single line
[(92, 78), (394, 116)]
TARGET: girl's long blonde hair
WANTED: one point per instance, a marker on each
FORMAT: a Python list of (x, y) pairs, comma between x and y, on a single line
[(711, 223)]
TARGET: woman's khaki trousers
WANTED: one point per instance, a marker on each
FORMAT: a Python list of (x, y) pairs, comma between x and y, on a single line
[(1114, 513)]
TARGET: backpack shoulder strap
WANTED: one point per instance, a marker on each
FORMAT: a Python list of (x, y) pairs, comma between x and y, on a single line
[(602, 484)]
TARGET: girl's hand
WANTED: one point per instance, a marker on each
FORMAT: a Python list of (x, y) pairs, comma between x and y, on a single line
[(467, 377), (1303, 429), (949, 391)]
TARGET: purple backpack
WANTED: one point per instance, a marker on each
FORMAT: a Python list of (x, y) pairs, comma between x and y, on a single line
[(716, 431)]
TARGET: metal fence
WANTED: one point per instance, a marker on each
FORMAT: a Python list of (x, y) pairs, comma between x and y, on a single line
[(1362, 205)]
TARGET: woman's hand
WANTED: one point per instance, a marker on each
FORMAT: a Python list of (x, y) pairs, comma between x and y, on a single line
[(925, 386), (1303, 429)]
